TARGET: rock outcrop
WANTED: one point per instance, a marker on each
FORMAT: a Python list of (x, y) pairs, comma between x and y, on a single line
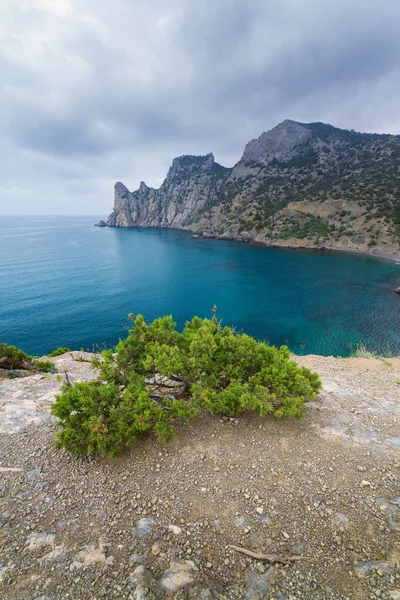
[(192, 183), (298, 184)]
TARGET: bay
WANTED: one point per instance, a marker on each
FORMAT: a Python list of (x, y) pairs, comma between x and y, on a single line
[(64, 282)]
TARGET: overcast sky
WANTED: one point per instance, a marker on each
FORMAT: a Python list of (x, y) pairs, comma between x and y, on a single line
[(94, 91)]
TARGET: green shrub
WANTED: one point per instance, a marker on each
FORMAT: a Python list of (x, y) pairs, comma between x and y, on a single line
[(59, 352), (13, 358), (44, 365), (11, 355), (158, 375)]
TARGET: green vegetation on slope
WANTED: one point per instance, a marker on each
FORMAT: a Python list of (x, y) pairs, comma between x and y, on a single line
[(59, 352), (14, 359), (359, 171)]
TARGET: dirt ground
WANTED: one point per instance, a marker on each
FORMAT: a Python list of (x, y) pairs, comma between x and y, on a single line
[(159, 522)]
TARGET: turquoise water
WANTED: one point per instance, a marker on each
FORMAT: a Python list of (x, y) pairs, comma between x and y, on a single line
[(64, 282)]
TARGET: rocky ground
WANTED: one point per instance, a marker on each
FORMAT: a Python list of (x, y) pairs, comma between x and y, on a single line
[(159, 522)]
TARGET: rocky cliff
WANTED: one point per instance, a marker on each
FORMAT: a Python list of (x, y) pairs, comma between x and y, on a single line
[(192, 183), (296, 185)]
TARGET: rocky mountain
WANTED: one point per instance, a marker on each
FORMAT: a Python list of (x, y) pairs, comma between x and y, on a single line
[(296, 185)]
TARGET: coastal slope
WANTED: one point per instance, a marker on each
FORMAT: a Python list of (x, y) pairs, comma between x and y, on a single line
[(309, 185)]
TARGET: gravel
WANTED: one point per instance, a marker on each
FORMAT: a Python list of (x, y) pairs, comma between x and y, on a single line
[(157, 522)]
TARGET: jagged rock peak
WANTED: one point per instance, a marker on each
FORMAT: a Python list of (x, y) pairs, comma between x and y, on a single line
[(189, 164), (277, 142), (190, 160), (286, 123), (120, 188), (143, 187)]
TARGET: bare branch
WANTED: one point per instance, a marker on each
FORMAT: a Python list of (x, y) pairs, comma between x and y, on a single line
[(272, 558)]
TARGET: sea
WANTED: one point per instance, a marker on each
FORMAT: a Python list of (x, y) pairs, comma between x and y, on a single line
[(64, 282)]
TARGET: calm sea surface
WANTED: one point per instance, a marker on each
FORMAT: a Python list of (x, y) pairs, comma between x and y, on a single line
[(64, 282)]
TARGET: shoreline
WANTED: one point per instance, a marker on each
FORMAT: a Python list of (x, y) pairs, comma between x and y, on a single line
[(381, 254), (394, 258)]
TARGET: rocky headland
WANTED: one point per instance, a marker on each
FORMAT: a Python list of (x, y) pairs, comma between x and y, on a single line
[(161, 522), (298, 185)]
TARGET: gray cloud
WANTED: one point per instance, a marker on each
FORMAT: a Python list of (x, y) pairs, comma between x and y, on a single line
[(93, 92)]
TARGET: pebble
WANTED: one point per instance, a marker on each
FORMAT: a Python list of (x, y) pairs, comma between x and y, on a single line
[(155, 549), (175, 529), (366, 483)]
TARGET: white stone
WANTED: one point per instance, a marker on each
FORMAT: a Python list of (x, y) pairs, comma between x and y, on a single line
[(178, 575)]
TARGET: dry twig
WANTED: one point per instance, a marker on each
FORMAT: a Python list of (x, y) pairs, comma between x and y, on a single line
[(272, 558)]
